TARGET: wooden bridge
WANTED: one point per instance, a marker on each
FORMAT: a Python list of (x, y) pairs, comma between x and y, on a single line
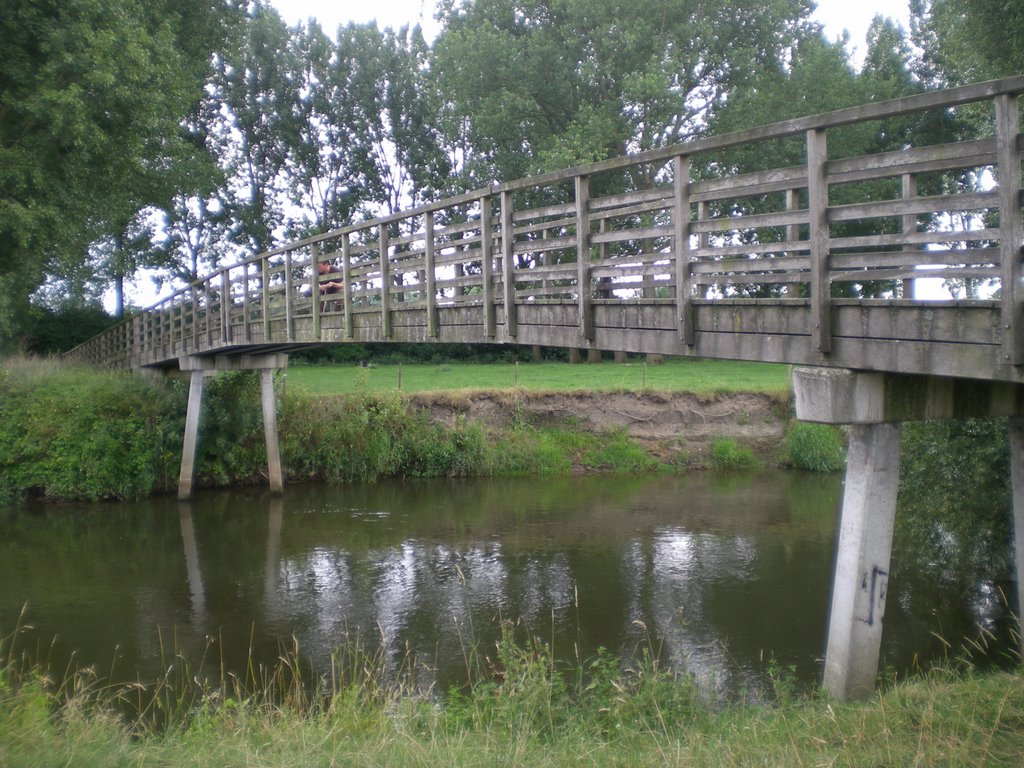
[(668, 252), (816, 260)]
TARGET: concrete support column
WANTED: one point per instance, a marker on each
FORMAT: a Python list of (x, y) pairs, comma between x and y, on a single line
[(861, 573), (270, 430), (1017, 477), (191, 442)]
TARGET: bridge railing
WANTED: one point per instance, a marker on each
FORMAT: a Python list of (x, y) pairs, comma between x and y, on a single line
[(681, 225)]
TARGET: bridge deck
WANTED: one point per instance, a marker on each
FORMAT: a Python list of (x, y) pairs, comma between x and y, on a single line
[(669, 252)]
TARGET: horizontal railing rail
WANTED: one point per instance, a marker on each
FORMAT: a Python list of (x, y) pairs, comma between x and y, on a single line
[(680, 225)]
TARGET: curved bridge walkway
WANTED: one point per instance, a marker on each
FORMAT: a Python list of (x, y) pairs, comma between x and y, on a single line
[(815, 259)]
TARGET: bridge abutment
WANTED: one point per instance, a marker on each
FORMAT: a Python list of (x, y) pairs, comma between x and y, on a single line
[(200, 369), (875, 405)]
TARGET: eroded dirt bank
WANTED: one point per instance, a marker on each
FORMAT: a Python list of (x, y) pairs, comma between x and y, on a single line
[(666, 423)]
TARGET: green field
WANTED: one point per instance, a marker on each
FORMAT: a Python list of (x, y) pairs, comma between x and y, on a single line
[(698, 376)]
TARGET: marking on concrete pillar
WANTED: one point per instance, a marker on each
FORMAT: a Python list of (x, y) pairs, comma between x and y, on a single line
[(876, 591)]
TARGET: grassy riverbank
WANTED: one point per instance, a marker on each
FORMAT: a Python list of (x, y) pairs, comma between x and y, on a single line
[(529, 716), (71, 432)]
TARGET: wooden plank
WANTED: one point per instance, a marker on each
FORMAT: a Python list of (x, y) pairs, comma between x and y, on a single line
[(1010, 226), (636, 201), (817, 194), (915, 238), (867, 275), (971, 201), (744, 249), (965, 324), (913, 160), (561, 209), (949, 258), (545, 245), (623, 235), (749, 184), (752, 221)]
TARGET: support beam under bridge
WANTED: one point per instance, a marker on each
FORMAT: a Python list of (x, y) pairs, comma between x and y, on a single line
[(200, 369), (875, 405)]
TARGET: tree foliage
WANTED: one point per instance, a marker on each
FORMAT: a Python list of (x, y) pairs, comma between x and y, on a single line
[(965, 41), (544, 84), (91, 96)]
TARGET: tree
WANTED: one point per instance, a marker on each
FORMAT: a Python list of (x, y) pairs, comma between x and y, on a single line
[(544, 84), (256, 131), (966, 41), (91, 96)]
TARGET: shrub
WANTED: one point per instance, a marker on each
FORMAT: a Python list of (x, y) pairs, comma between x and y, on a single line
[(726, 454), (817, 447), (71, 432)]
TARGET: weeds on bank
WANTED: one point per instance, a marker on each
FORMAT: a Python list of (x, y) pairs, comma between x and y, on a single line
[(521, 707)]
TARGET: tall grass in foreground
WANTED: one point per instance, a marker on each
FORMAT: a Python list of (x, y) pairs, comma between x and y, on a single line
[(523, 709)]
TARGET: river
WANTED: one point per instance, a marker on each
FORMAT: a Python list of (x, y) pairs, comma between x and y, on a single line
[(723, 576)]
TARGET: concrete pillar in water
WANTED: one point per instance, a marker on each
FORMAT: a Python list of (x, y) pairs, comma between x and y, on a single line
[(876, 405), (270, 429), (1017, 475), (191, 442), (861, 575), (200, 368)]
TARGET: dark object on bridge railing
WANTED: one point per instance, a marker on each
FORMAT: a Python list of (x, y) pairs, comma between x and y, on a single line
[(760, 266)]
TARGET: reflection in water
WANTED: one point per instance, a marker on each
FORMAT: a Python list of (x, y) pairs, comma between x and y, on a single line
[(195, 578), (716, 574)]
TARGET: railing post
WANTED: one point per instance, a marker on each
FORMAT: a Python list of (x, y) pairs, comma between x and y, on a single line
[(428, 228), (508, 264), (209, 313), (314, 288), (288, 286), (385, 283), (265, 292), (792, 236), (194, 297), (584, 297), (1011, 230), (487, 265), (346, 268), (225, 307), (817, 195), (246, 309), (684, 254), (908, 185)]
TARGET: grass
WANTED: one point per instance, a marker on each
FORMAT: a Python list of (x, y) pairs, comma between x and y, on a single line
[(701, 377), (523, 712)]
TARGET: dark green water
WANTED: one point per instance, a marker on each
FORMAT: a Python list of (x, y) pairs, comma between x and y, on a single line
[(719, 573)]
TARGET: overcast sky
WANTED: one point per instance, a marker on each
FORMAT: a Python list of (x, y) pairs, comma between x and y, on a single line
[(836, 15)]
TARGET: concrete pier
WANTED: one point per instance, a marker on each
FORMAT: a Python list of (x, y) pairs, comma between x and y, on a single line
[(876, 405), (191, 443), (202, 367), (861, 575)]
